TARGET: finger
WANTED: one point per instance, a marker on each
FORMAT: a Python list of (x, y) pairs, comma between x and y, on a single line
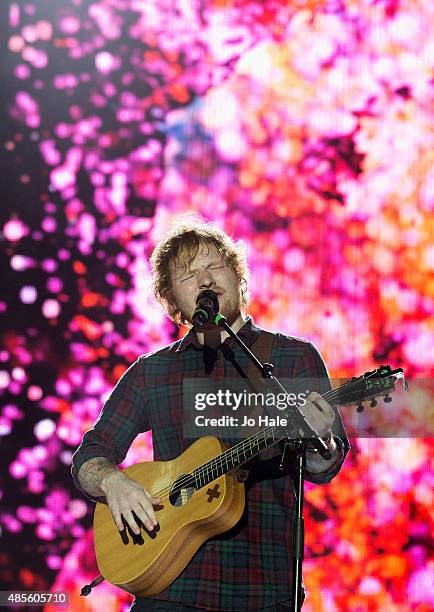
[(117, 517), (148, 508), (317, 420), (320, 403), (144, 517), (154, 500), (129, 518), (316, 399)]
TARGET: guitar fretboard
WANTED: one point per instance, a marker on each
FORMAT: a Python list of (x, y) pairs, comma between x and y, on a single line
[(236, 456), (356, 389)]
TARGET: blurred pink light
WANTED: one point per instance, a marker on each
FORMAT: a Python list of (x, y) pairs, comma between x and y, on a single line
[(40, 452), (28, 294), (14, 387), (420, 585), (44, 429), (16, 43), (11, 523), (78, 508), (63, 254), (4, 379), (51, 309), (49, 265), (122, 260), (57, 500), (294, 260), (20, 263), (22, 71), (26, 456), (87, 227), (66, 457), (15, 230), (5, 426), (14, 15), (49, 224), (63, 387), (26, 514), (67, 519), (63, 432), (12, 412), (44, 515), (54, 284), (24, 356), (19, 374), (44, 532), (18, 470), (369, 585), (44, 30), (36, 482), (40, 59), (105, 62), (63, 130), (26, 102), (30, 33), (69, 24), (77, 531), (54, 562), (62, 177), (34, 393), (65, 81)]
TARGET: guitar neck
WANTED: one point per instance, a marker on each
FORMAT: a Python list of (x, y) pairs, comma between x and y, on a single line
[(236, 456), (245, 450), (370, 385)]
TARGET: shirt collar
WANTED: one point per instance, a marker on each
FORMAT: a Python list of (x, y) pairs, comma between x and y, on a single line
[(248, 333)]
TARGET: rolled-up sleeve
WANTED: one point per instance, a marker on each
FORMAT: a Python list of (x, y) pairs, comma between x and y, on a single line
[(122, 418)]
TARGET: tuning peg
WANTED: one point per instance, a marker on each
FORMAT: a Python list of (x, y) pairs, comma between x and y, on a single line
[(360, 408), (373, 403), (387, 398)]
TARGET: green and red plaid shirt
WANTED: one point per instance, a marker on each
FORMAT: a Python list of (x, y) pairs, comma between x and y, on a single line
[(250, 567)]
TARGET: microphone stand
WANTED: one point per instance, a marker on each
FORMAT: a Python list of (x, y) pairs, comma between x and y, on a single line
[(298, 446)]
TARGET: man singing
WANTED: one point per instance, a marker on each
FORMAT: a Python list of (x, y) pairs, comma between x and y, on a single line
[(249, 567)]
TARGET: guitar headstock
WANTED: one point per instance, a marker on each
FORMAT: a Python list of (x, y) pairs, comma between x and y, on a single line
[(378, 383)]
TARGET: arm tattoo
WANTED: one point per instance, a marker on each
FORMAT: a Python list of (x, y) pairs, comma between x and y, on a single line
[(91, 474)]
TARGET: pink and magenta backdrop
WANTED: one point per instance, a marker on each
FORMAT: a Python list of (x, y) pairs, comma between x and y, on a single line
[(304, 128)]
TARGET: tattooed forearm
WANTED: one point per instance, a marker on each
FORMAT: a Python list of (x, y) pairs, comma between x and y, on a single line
[(92, 473)]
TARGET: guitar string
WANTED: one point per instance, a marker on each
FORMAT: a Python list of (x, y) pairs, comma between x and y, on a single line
[(219, 461), (208, 468)]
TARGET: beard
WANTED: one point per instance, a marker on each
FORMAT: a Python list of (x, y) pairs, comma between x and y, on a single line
[(229, 307)]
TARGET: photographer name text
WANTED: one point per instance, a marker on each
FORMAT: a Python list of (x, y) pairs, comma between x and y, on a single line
[(231, 421)]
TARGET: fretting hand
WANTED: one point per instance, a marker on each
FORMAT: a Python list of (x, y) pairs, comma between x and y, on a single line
[(318, 413)]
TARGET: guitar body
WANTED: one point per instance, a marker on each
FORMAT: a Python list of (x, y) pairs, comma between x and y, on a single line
[(147, 564)]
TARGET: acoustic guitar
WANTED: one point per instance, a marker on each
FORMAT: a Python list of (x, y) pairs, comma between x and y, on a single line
[(201, 498)]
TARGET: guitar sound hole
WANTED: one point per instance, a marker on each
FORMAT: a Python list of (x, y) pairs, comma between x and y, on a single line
[(182, 490)]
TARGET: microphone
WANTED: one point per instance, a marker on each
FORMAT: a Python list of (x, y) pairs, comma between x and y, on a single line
[(207, 307)]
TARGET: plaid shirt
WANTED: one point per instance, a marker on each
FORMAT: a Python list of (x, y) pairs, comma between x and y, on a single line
[(249, 567)]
